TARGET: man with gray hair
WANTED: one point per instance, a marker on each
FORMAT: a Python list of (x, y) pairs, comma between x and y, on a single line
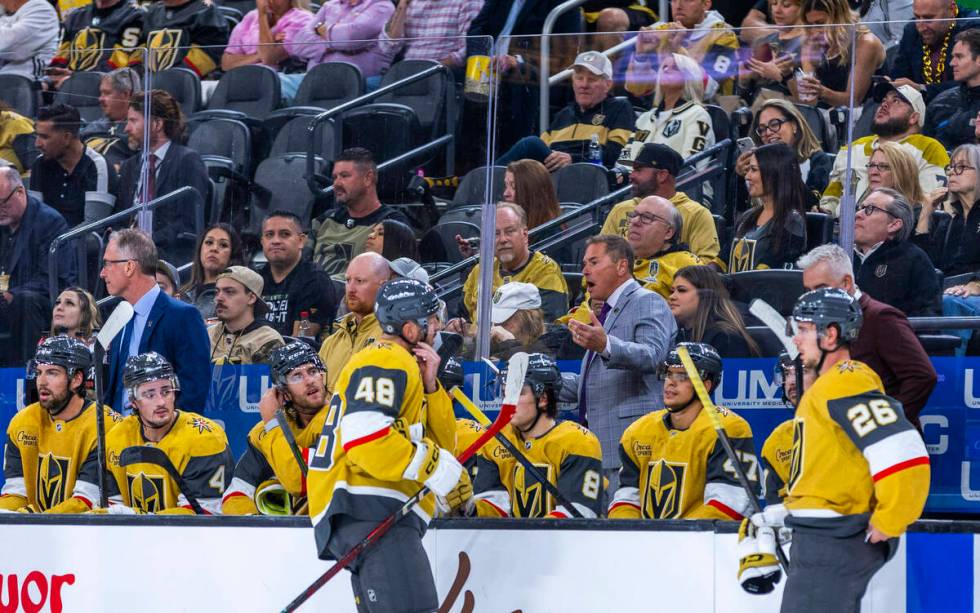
[(654, 232), (160, 323), (888, 266), (107, 135), (886, 341), (27, 228)]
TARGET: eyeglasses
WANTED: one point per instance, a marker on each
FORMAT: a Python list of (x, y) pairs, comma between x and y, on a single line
[(108, 263), (869, 210), (298, 376), (773, 126), (878, 166), (958, 169), (151, 395), (676, 377), (12, 192), (645, 218), (508, 232)]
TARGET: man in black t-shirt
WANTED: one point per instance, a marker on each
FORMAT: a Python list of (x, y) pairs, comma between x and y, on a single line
[(292, 285)]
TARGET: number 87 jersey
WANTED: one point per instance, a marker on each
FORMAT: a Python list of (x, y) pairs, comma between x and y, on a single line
[(854, 455)]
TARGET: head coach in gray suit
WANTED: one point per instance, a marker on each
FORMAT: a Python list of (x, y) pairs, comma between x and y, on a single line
[(625, 343)]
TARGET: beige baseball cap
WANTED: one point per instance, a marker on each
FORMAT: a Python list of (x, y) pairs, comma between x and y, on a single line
[(512, 297), (594, 62), (907, 93), (252, 281)]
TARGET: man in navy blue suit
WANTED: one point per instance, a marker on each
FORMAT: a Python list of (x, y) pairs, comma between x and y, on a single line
[(172, 328)]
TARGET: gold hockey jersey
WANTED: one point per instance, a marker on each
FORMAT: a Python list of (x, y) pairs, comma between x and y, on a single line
[(198, 449), (467, 431), (51, 464), (776, 454), (568, 455), (540, 271), (360, 458), (683, 474), (855, 456)]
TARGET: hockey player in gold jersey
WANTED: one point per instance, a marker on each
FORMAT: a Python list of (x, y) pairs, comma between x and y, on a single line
[(859, 471), (299, 388), (389, 430), (565, 453), (197, 447), (50, 458), (674, 465)]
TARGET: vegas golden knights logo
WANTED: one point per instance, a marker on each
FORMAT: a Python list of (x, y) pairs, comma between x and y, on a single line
[(52, 480), (665, 490), (529, 494), (86, 49), (796, 461), (164, 46), (147, 492), (743, 255)]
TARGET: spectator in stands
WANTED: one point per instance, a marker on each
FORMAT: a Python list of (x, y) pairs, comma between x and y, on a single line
[(771, 234), (13, 125), (893, 167), (654, 235), (950, 112), (217, 249), (593, 113), (107, 134), (779, 121), (359, 328), (898, 119), (392, 239), (775, 55), (826, 55), (293, 285), (624, 344), (161, 324), (184, 33), (28, 38), (343, 233), (706, 314), (886, 341), (430, 30), (888, 266), (242, 336), (102, 36), (345, 31), (76, 314), (68, 173), (514, 260), (960, 240), (962, 300), (696, 32), (27, 227), (262, 35), (528, 184), (517, 321), (608, 19), (756, 23), (925, 51), (885, 19), (171, 166), (678, 118), (168, 279)]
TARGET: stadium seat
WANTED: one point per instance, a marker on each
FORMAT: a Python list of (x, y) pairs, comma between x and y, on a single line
[(183, 84), (294, 137), (232, 16), (439, 243), (819, 229), (574, 282), (281, 182), (581, 183), (254, 90), (720, 122), (20, 93), (962, 279), (769, 343), (26, 149), (472, 187), (430, 98), (387, 131), (330, 84), (469, 214), (225, 146), (242, 6), (721, 229), (81, 90), (820, 126), (939, 345), (779, 287)]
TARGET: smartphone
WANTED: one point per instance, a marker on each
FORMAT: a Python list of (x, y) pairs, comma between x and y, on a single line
[(745, 145)]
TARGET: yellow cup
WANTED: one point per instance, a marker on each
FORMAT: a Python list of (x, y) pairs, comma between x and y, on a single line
[(477, 87)]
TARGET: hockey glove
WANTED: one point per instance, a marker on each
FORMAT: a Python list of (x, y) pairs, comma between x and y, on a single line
[(460, 499), (271, 498), (413, 432), (758, 568), (434, 466), (774, 516), (121, 509)]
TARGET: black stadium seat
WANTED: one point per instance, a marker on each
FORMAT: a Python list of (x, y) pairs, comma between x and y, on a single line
[(81, 90), (254, 90), (779, 287), (469, 214), (581, 183), (387, 131), (820, 126), (439, 243), (819, 229), (282, 183), (720, 122), (472, 187), (294, 138), (20, 93), (428, 97), (225, 146), (181, 83), (330, 84)]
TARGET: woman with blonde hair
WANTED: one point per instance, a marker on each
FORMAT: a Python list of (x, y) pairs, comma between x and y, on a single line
[(890, 165), (75, 314), (528, 183)]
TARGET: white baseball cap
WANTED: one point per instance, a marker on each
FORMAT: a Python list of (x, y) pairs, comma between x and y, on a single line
[(410, 269), (594, 62), (907, 93), (512, 297)]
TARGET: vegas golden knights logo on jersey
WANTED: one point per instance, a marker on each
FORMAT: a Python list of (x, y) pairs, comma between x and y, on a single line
[(665, 489), (86, 49), (163, 46), (743, 255), (147, 492), (52, 480), (796, 460), (529, 494)]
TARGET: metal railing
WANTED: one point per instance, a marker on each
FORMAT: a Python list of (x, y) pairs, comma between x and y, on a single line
[(545, 68)]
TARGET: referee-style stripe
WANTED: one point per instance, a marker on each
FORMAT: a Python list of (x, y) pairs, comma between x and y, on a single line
[(939, 572)]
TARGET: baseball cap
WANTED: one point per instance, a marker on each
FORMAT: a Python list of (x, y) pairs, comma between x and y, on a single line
[(410, 269), (907, 93), (512, 297), (252, 282), (659, 156), (594, 62), (168, 269)]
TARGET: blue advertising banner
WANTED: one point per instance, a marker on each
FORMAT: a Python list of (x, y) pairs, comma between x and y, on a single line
[(950, 421)]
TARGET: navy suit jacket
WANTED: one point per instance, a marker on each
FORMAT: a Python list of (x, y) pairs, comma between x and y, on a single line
[(40, 225), (176, 331)]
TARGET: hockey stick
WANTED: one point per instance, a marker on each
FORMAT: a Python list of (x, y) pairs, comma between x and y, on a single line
[(291, 441), (531, 469), (117, 321), (141, 454), (712, 410), (764, 312), (515, 383)]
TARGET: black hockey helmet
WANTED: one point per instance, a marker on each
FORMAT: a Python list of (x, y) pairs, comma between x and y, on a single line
[(704, 356), (404, 300), (65, 351), (146, 367), (782, 368), (283, 360), (451, 373), (542, 375), (830, 306)]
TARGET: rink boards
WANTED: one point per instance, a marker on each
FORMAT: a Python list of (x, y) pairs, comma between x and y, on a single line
[(157, 564)]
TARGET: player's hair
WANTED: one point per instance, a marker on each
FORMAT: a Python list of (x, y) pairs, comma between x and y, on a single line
[(65, 118), (693, 80), (89, 319), (162, 106), (715, 306), (518, 210), (399, 241), (970, 38), (534, 191), (904, 169), (287, 215), (616, 246), (138, 245), (362, 159), (900, 208), (197, 269), (806, 141), (123, 80), (831, 254)]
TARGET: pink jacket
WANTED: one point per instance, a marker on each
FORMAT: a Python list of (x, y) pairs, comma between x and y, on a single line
[(245, 37), (352, 29)]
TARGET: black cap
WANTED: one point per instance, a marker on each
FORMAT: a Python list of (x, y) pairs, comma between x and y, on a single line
[(659, 156)]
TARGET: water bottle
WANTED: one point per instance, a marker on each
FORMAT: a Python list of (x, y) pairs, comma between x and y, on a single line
[(304, 325), (595, 151)]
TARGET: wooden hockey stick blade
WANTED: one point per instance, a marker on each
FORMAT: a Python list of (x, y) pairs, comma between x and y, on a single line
[(506, 412), (144, 454), (117, 321), (769, 316)]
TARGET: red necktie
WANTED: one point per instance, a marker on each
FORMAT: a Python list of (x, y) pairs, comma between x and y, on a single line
[(151, 178)]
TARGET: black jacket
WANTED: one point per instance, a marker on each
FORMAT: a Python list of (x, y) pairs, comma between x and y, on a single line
[(728, 344), (900, 274), (530, 21), (40, 225), (908, 60), (948, 116)]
